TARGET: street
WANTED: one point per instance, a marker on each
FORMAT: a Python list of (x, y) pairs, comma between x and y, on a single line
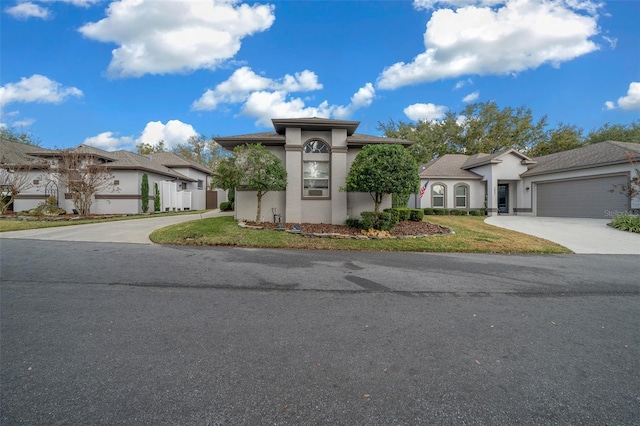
[(107, 333)]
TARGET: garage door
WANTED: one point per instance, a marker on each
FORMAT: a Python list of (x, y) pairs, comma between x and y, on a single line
[(582, 198)]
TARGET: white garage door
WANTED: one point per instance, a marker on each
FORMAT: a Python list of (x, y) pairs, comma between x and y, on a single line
[(592, 197)]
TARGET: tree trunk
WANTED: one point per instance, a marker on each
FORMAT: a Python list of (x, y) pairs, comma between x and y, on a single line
[(259, 213)]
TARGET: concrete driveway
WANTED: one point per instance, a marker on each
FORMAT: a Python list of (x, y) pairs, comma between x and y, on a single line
[(134, 231), (584, 236)]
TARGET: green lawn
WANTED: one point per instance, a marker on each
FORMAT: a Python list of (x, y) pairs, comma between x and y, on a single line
[(472, 235)]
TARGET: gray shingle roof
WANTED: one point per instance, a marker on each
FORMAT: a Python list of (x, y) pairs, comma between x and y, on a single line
[(448, 166), (170, 159), (480, 159), (125, 160), (594, 155), (18, 154)]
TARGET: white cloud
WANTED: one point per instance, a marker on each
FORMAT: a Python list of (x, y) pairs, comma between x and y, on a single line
[(460, 84), (471, 97), (28, 10), (513, 37), (425, 112), (629, 102), (36, 88), (265, 105), (159, 37), (265, 98), (109, 141), (173, 133), (244, 81)]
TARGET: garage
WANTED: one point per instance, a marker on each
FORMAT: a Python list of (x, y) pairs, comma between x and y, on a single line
[(588, 197)]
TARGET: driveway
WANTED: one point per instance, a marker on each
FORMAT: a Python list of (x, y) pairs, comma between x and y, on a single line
[(584, 236), (135, 231)]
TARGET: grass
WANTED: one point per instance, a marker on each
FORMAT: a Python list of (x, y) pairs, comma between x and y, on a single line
[(7, 225), (472, 235)]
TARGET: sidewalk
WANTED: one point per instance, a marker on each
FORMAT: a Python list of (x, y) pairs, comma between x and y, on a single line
[(134, 231)]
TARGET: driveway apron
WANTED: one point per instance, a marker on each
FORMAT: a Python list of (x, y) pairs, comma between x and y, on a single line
[(584, 236)]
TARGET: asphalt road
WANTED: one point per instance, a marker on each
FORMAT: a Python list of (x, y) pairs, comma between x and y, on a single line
[(106, 333)]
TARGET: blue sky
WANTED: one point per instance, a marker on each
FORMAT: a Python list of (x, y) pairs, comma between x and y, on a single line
[(116, 73)]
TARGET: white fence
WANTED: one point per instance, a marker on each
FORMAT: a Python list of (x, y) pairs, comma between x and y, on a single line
[(172, 199)]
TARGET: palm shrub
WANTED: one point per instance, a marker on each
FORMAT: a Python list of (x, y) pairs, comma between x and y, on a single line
[(627, 222)]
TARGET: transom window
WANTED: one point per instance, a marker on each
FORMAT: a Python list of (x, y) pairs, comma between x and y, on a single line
[(437, 195), (316, 170), (462, 191), (316, 147)]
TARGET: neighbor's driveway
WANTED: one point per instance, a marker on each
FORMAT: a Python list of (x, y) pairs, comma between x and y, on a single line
[(585, 236), (134, 231)]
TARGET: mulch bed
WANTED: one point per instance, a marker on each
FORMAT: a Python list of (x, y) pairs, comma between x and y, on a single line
[(403, 229)]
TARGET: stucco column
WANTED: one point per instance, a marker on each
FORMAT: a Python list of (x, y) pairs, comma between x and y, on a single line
[(293, 156), (492, 197), (338, 179)]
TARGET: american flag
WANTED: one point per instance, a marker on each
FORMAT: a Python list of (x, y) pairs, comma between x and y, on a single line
[(424, 188)]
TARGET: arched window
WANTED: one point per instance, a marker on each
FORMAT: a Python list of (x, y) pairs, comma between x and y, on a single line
[(438, 195), (462, 196), (316, 170)]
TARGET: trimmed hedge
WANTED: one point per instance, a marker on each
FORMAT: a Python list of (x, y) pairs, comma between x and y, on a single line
[(226, 206), (354, 223), (416, 215), (456, 212), (381, 221), (441, 212), (428, 211), (476, 212)]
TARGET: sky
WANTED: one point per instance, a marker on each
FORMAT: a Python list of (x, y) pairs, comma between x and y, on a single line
[(113, 74)]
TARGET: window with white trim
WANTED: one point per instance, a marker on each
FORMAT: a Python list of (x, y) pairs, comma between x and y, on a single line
[(316, 170), (438, 196), (462, 194)]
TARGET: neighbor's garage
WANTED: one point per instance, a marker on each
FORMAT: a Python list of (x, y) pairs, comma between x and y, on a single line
[(589, 197)]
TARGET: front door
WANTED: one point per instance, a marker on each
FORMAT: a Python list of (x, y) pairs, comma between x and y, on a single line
[(503, 198)]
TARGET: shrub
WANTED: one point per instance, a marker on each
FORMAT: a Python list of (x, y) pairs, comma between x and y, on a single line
[(441, 212), (476, 212), (353, 223), (156, 199), (404, 212), (428, 211), (395, 214), (456, 212), (144, 193), (226, 206), (381, 221), (627, 222), (416, 215)]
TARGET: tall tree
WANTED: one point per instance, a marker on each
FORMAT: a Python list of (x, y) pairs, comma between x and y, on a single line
[(562, 138), (489, 129), (144, 148), (382, 170), (202, 150), (84, 175), (20, 136), (254, 168), (431, 139), (616, 132)]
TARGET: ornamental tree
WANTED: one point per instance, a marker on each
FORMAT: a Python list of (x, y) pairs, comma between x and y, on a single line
[(382, 169), (253, 168), (144, 193)]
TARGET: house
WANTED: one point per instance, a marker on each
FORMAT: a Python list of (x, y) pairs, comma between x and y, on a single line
[(184, 181), (317, 154), (582, 182)]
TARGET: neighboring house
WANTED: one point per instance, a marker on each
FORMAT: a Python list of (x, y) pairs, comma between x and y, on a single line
[(582, 182), (317, 154), (188, 179)]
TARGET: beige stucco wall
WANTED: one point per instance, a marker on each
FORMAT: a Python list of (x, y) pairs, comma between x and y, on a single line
[(476, 193), (246, 206)]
